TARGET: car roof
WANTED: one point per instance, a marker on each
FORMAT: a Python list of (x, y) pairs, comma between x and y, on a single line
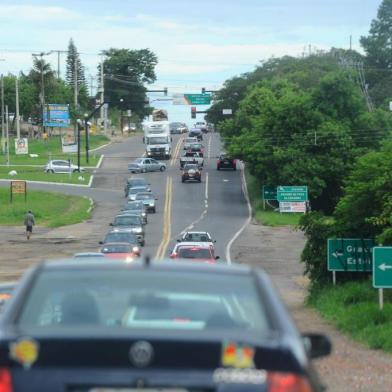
[(193, 244), (159, 265)]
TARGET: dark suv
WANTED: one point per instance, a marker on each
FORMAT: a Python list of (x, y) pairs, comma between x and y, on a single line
[(226, 162)]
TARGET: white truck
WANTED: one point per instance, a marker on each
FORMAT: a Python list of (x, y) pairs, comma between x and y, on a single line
[(157, 139)]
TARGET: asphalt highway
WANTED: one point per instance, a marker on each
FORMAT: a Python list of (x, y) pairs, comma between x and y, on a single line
[(217, 205)]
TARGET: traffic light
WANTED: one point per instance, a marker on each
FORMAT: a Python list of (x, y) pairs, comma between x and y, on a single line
[(203, 90), (165, 91), (193, 111)]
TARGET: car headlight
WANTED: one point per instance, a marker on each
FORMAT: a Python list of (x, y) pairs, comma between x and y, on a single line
[(144, 214), (151, 204), (129, 259), (135, 249), (137, 230)]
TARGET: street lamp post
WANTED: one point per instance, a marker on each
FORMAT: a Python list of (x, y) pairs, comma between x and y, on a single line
[(86, 117), (121, 116)]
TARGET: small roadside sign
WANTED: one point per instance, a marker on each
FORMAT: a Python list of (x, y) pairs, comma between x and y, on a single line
[(269, 192), (292, 206), (350, 254), (21, 146), (18, 187), (292, 193), (227, 112), (382, 267)]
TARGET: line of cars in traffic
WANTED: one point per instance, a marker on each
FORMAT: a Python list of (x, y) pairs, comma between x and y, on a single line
[(134, 324)]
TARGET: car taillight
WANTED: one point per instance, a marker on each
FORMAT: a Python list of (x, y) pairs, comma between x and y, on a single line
[(287, 382), (234, 161), (5, 380)]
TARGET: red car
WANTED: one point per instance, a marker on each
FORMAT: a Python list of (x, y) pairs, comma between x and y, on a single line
[(195, 252), (121, 250)]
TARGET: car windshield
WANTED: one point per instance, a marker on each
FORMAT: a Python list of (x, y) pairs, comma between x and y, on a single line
[(116, 249), (144, 299), (121, 237), (157, 140), (138, 160), (134, 207), (136, 182), (127, 220), (197, 237), (143, 196), (137, 189), (186, 252)]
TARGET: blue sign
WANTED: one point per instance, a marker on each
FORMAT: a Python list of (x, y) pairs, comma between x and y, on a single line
[(56, 115)]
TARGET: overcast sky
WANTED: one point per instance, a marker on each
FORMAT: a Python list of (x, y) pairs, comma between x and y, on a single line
[(198, 43)]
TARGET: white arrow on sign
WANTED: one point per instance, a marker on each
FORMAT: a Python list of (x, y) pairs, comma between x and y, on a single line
[(384, 267), (337, 253)]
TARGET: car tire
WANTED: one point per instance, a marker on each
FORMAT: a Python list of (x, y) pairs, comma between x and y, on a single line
[(75, 171), (143, 170), (50, 171), (162, 168), (154, 210), (182, 180)]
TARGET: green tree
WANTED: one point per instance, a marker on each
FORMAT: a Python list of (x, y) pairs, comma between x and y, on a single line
[(378, 48), (73, 61), (126, 71)]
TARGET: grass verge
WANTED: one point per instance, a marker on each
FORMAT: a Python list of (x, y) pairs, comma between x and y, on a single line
[(50, 209), (29, 173), (267, 217), (52, 150), (353, 308)]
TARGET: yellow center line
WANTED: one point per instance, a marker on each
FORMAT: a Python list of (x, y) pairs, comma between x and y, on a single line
[(176, 151), (166, 221)]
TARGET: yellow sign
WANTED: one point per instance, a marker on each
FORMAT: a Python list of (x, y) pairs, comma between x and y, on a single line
[(18, 186), (24, 351), (237, 356)]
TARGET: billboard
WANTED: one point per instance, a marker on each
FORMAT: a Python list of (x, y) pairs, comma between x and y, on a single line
[(56, 115), (69, 144), (21, 146)]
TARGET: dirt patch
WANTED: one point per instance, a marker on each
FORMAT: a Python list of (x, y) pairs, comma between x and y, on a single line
[(352, 366)]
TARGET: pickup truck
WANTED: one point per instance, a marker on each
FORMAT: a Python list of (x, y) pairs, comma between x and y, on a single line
[(192, 157)]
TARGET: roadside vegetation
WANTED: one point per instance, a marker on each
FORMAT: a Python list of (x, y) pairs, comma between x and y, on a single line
[(29, 173), (353, 308), (318, 121), (267, 216), (50, 209), (52, 150)]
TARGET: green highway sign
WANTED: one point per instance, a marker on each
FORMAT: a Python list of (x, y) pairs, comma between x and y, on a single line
[(269, 192), (382, 267), (350, 254), (198, 99), (292, 193)]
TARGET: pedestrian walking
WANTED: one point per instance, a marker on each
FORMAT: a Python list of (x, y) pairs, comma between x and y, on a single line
[(29, 222)]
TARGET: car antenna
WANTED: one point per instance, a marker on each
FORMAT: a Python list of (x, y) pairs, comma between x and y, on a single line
[(147, 260)]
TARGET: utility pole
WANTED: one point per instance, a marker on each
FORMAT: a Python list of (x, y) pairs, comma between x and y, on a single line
[(351, 42), (7, 134), (17, 109), (77, 128), (103, 113)]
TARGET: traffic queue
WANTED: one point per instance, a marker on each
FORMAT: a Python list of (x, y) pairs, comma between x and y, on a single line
[(117, 321)]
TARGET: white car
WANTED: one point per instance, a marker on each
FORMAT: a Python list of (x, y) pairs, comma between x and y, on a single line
[(143, 165), (61, 166), (198, 237)]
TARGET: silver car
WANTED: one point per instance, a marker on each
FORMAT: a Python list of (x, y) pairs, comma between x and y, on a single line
[(136, 189), (61, 166), (143, 165), (148, 200)]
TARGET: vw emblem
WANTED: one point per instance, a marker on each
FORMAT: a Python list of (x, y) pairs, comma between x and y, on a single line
[(141, 354)]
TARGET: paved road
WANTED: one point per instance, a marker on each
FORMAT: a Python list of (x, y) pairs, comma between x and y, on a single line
[(216, 205)]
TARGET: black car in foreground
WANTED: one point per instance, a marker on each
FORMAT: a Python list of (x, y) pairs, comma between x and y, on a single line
[(88, 326), (191, 172)]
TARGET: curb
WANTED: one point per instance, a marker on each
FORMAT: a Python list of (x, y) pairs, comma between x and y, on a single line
[(92, 205), (100, 161), (104, 145), (53, 183)]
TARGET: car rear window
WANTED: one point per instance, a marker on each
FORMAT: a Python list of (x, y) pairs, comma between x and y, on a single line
[(120, 237), (194, 253), (116, 249), (144, 299), (127, 220)]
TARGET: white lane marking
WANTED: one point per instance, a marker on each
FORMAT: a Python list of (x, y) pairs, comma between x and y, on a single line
[(225, 180), (206, 192), (237, 234), (209, 148)]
